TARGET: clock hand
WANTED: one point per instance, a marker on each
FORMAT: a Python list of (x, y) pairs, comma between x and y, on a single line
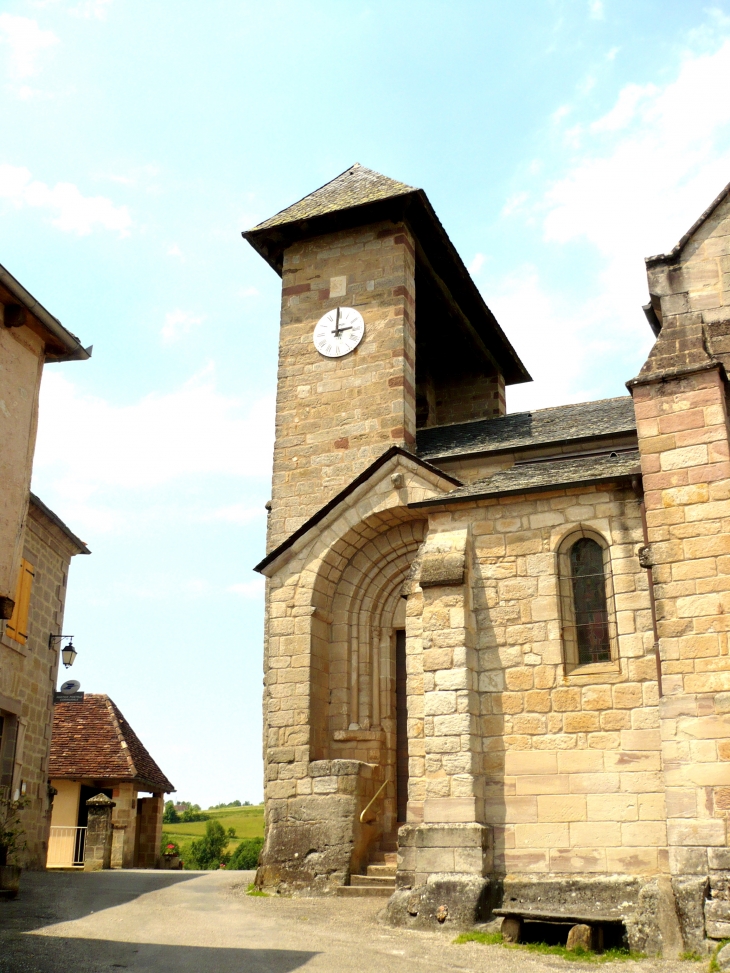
[(336, 332), (346, 327)]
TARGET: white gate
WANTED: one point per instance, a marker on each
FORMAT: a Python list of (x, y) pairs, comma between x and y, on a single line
[(66, 847)]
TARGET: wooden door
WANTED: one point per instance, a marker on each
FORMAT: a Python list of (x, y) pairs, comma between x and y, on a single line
[(401, 722)]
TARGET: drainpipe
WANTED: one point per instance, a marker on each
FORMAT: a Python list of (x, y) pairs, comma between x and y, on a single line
[(638, 488)]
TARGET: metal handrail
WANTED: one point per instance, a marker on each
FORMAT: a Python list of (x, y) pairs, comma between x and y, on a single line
[(372, 801)]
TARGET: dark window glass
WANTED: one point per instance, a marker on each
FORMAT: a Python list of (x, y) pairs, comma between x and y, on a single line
[(589, 601)]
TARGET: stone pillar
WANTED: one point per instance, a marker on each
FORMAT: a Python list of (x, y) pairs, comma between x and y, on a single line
[(150, 831), (448, 854), (124, 820), (98, 851), (683, 437)]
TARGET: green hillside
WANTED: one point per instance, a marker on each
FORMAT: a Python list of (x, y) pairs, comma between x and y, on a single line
[(247, 821)]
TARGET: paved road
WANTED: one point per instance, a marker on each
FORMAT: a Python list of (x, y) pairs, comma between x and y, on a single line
[(193, 922)]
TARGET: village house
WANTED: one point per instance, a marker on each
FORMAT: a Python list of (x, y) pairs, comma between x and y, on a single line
[(94, 751), (496, 645), (36, 548)]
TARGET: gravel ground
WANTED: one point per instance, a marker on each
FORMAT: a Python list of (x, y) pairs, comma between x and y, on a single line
[(203, 922)]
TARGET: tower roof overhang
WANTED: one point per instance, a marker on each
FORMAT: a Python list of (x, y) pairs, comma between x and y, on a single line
[(359, 197)]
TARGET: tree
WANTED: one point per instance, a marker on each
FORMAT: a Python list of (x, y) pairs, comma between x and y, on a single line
[(170, 815), (246, 854), (209, 851)]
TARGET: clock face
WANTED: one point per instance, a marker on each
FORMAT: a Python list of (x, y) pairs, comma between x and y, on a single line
[(338, 332)]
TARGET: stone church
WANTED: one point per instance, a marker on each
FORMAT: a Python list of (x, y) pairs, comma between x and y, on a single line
[(496, 644)]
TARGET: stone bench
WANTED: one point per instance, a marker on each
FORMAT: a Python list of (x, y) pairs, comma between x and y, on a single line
[(586, 927)]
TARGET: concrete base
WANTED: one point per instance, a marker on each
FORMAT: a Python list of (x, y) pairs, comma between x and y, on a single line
[(444, 901), (438, 849)]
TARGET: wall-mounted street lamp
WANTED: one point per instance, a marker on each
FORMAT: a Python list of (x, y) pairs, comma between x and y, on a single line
[(68, 652)]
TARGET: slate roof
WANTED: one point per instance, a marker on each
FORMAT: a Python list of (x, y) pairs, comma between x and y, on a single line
[(521, 430), (359, 197), (353, 187), (92, 739), (548, 475)]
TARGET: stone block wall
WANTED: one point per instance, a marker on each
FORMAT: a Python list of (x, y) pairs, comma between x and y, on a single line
[(460, 400), (22, 355), (124, 822), (316, 840), (335, 416), (569, 760), (149, 824), (28, 675), (683, 437)]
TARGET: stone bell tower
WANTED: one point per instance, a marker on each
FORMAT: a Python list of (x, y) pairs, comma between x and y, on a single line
[(367, 242)]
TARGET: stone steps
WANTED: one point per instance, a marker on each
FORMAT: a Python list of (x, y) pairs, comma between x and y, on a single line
[(364, 891), (381, 871), (378, 880)]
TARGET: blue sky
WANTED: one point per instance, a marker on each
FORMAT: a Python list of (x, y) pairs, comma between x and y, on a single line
[(559, 142)]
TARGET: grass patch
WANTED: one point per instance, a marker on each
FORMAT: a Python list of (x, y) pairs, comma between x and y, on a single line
[(487, 938), (691, 957), (714, 968), (252, 890), (585, 955)]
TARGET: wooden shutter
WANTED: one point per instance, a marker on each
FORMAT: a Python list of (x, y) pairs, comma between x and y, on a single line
[(17, 627)]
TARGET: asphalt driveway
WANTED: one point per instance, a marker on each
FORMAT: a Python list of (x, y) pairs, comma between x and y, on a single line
[(203, 922)]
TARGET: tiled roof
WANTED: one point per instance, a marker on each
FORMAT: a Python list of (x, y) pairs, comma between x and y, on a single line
[(91, 738), (547, 475), (584, 420), (354, 187)]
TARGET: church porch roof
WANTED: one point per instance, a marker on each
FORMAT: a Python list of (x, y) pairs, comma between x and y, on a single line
[(538, 476), (522, 430)]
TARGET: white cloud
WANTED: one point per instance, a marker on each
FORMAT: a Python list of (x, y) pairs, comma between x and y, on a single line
[(248, 292), (642, 174), (74, 213), (625, 108), (177, 324), (88, 445), (235, 513), (249, 589), (91, 9), (477, 262), (26, 40), (174, 251), (595, 9)]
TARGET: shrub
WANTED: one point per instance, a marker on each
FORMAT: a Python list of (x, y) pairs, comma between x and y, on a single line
[(170, 815), (191, 814), (246, 854), (209, 851)]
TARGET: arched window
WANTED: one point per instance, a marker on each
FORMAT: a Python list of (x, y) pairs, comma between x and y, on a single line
[(587, 597)]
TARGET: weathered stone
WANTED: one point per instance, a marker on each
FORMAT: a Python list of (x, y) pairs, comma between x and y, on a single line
[(452, 901), (579, 937), (511, 929), (689, 895)]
